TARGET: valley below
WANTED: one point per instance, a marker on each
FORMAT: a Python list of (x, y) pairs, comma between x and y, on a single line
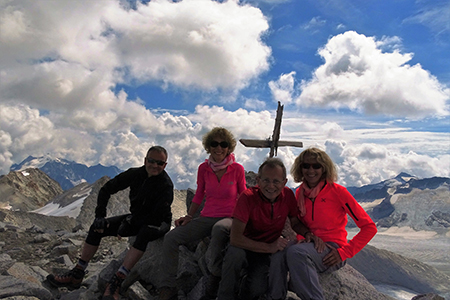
[(428, 247)]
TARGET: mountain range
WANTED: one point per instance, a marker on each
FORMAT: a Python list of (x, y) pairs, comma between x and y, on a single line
[(401, 202), (67, 173), (396, 201)]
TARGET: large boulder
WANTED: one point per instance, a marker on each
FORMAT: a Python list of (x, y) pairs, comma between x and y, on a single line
[(379, 265)]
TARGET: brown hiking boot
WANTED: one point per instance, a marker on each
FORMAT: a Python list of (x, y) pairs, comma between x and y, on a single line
[(112, 291), (168, 293), (71, 279)]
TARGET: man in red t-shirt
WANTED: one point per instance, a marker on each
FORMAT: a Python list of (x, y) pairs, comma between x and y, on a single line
[(258, 220)]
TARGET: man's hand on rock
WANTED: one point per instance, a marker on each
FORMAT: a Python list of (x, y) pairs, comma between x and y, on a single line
[(100, 224)]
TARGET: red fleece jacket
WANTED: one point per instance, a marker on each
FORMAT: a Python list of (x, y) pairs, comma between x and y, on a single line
[(326, 217)]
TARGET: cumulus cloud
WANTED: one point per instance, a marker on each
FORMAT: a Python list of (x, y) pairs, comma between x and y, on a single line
[(193, 43), (283, 89), (371, 163), (358, 75), (84, 48), (62, 62), (24, 131), (254, 104)]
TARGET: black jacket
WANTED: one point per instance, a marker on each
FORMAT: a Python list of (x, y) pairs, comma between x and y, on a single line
[(150, 197)]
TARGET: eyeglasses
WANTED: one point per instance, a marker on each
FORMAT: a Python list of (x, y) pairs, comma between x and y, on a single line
[(155, 161), (267, 181), (315, 166), (214, 144)]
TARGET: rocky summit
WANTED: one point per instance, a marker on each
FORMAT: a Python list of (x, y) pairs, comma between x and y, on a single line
[(27, 190), (34, 244)]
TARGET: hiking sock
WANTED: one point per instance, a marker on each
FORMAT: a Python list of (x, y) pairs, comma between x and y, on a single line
[(124, 271), (83, 264)]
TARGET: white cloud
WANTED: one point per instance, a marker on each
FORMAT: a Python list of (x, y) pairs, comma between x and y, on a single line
[(62, 60), (192, 43), (434, 15), (314, 23), (254, 104), (370, 163), (283, 89), (24, 131), (65, 54), (356, 74)]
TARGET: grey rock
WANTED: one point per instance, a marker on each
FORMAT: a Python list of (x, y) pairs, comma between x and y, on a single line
[(349, 284), (5, 262), (27, 190), (11, 286), (41, 238), (138, 292), (21, 271), (429, 296), (64, 249), (387, 267), (64, 260), (35, 229), (21, 298), (144, 279), (27, 219)]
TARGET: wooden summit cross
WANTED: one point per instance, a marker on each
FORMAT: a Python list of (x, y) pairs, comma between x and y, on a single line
[(272, 142)]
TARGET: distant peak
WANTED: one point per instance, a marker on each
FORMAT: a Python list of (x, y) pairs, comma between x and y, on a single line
[(404, 174), (34, 162)]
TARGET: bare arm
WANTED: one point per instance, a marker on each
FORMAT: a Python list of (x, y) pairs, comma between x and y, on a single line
[(238, 239)]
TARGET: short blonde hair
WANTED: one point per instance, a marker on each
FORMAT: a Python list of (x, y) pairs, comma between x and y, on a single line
[(221, 132), (329, 169)]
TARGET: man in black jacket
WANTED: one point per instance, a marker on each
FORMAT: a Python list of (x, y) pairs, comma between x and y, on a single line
[(151, 195)]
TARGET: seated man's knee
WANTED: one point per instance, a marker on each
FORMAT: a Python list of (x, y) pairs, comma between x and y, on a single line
[(299, 250), (235, 253)]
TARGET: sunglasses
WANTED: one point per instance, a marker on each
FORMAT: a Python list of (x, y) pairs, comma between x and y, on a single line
[(314, 166), (214, 144), (155, 161)]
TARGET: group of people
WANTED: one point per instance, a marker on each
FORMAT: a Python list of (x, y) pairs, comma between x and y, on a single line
[(248, 256)]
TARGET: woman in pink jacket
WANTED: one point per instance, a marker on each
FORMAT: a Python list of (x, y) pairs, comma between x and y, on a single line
[(324, 206), (220, 180)]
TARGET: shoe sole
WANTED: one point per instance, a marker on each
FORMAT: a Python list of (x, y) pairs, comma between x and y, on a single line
[(57, 284)]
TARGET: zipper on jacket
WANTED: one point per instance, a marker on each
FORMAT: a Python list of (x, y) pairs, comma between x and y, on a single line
[(351, 211), (312, 212), (271, 213)]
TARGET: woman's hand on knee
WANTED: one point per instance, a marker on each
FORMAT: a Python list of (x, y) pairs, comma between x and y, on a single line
[(183, 220), (332, 258)]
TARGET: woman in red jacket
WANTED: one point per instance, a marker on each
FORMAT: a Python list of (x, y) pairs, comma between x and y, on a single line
[(324, 206)]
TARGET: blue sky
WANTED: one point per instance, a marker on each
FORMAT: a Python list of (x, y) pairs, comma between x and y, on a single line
[(101, 81)]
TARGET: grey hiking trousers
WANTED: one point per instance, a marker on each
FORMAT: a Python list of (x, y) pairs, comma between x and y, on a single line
[(303, 263)]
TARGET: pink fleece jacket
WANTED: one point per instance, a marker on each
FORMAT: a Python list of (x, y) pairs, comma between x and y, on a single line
[(221, 196)]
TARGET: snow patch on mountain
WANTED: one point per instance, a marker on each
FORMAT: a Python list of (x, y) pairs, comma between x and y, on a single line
[(53, 209), (72, 210)]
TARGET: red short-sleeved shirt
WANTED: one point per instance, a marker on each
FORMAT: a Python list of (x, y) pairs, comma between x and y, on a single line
[(265, 220)]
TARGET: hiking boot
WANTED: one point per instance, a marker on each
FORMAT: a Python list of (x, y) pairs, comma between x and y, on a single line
[(112, 291), (71, 279), (212, 285), (168, 293)]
